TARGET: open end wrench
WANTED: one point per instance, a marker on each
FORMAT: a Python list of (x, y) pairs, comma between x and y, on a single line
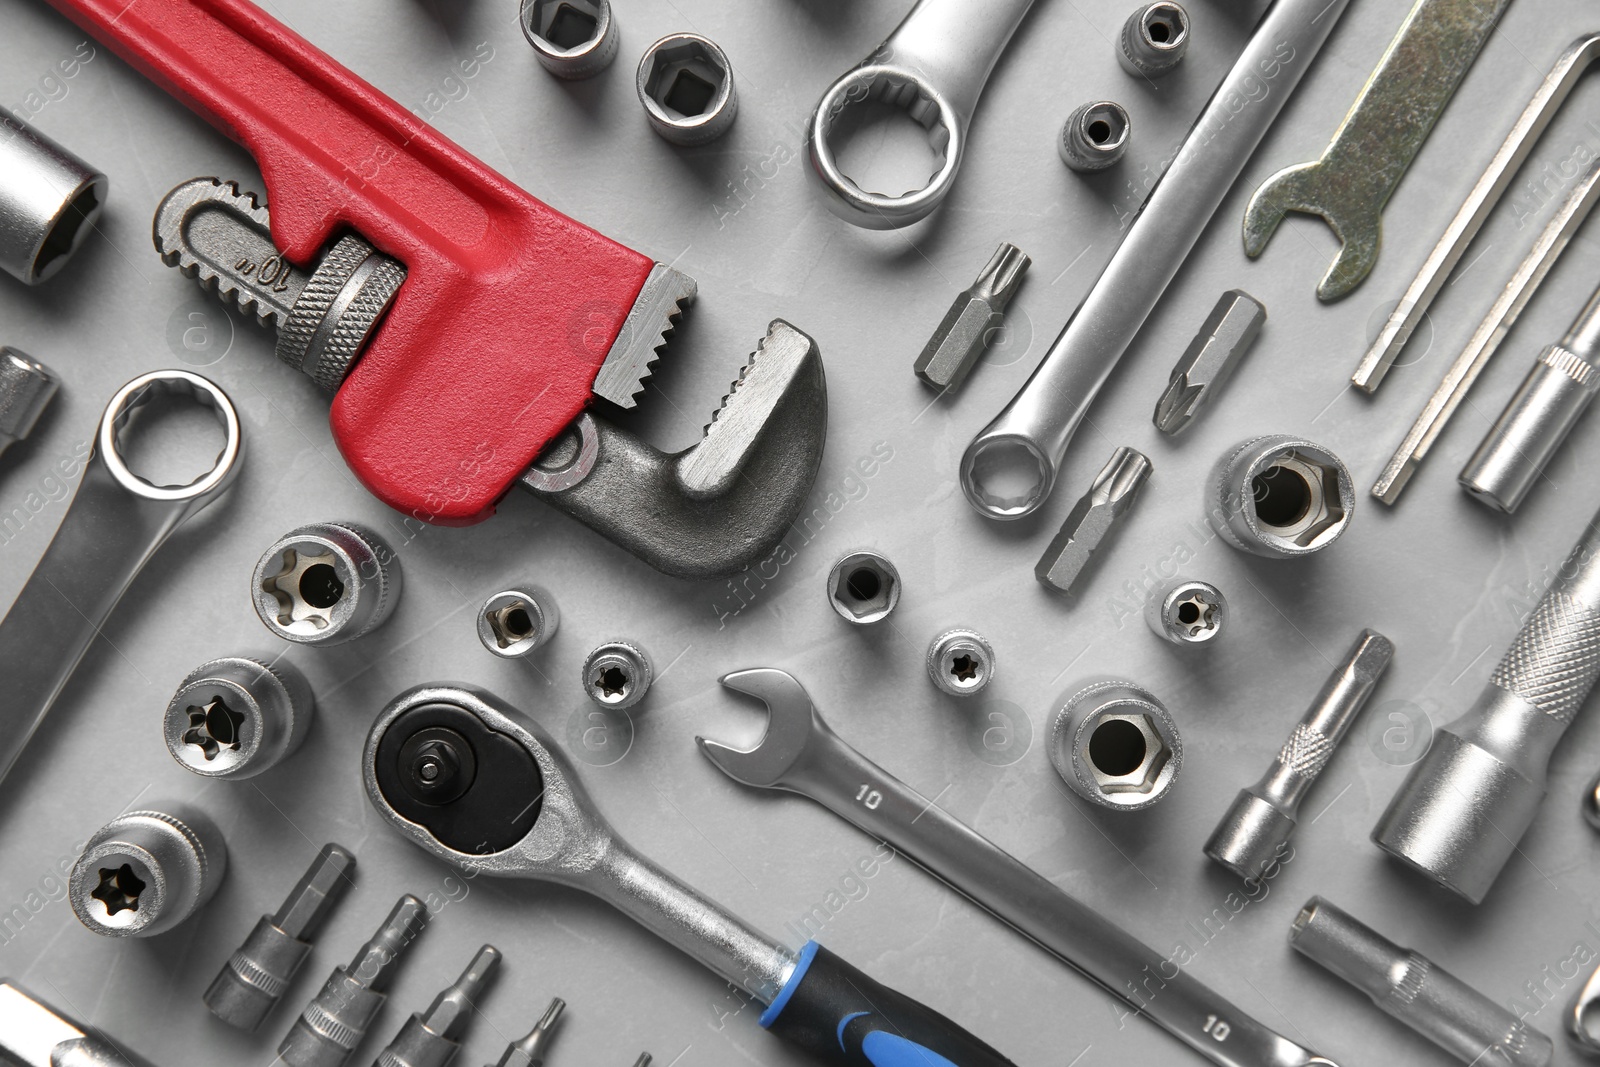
[(1381, 134), (116, 522), (934, 65), (474, 782), (799, 753)]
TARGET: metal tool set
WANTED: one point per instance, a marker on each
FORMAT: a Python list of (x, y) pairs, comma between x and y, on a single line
[(467, 339)]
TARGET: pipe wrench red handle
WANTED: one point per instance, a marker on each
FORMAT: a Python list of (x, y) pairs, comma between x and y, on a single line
[(509, 308)]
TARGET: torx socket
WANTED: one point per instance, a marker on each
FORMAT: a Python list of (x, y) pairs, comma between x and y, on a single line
[(967, 328), (1187, 612), (515, 622), (1094, 136), (617, 675), (960, 662), (237, 717), (33, 1034), (1209, 361), (1280, 497), (530, 1051), (336, 1020), (326, 583), (1154, 39), (432, 1038), (26, 388), (1466, 804), (1424, 996), (686, 85), (146, 871), (255, 977), (1092, 519), (1539, 416), (1116, 745), (49, 201), (572, 39), (1253, 833)]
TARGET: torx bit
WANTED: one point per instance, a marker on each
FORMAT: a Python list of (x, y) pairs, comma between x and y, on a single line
[(1092, 519), (964, 334), (33, 1034), (1250, 836), (26, 387), (530, 1051), (336, 1020), (255, 978), (432, 1039), (1224, 338)]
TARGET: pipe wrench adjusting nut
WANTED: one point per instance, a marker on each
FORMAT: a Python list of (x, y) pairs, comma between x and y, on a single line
[(573, 39), (236, 717), (1280, 497), (326, 583), (146, 871), (1116, 745)]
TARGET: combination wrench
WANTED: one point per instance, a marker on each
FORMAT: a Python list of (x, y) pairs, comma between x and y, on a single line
[(934, 65), (801, 754), (116, 522), (1010, 468), (476, 783)]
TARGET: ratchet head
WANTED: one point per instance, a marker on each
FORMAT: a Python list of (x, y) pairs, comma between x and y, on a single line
[(792, 721)]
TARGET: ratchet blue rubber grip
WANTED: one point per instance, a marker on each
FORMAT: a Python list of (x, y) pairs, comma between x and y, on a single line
[(841, 1015)]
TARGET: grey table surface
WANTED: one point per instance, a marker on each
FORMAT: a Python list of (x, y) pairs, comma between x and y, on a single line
[(1444, 578)]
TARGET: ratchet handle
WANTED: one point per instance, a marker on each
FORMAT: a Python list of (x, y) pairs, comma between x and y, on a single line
[(839, 1014), (509, 307)]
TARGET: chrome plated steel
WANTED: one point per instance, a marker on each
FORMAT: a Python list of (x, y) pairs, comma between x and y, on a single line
[(26, 389), (50, 201), (33, 1034)]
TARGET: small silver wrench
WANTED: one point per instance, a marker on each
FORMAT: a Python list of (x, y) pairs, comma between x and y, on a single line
[(799, 753), (935, 65), (116, 522)]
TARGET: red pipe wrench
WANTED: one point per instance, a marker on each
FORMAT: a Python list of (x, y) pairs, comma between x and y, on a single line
[(508, 311)]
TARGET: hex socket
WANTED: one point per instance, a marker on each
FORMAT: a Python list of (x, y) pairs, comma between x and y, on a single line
[(326, 583), (515, 622), (1116, 746), (572, 39), (1280, 497), (49, 201), (863, 587), (686, 86), (1154, 39), (237, 717), (26, 389), (145, 872), (1094, 136)]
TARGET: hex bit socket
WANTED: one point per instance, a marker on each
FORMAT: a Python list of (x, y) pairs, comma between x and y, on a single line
[(1092, 520), (336, 1020), (432, 1038), (1427, 998), (965, 332), (145, 872), (1251, 835), (530, 1051), (255, 977), (26, 389), (1209, 361), (1459, 816)]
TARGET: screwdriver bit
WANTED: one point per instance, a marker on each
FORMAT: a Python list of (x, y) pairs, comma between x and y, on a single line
[(964, 334), (432, 1039), (1206, 364), (33, 1034), (643, 1060), (334, 1023), (530, 1051), (1092, 519), (26, 387), (255, 978)]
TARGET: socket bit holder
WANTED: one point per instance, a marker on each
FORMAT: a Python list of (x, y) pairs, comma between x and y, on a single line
[(336, 1020), (326, 583), (863, 587), (960, 662), (237, 717), (1187, 612), (1411, 988), (1116, 746), (965, 332), (1095, 136), (256, 976), (1256, 828), (617, 675), (1280, 497), (1459, 815), (516, 622), (1209, 361), (33, 1034), (49, 202), (432, 1038), (145, 872), (686, 85), (26, 389), (1092, 520), (531, 1050), (572, 39), (1154, 39)]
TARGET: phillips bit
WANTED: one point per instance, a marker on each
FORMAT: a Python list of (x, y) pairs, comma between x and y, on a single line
[(1092, 519), (334, 1023), (964, 334), (26, 388), (1206, 364), (255, 978), (530, 1051), (433, 1038)]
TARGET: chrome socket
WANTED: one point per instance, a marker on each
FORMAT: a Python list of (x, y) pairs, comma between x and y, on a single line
[(1280, 497), (34, 1034), (686, 85), (573, 39), (26, 389), (1154, 39), (1187, 612), (863, 587), (617, 675), (49, 202), (960, 662), (1116, 746), (236, 717), (515, 622), (1094, 136), (326, 583), (146, 871)]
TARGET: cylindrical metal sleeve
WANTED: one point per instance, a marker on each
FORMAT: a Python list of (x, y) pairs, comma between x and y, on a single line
[(49, 200)]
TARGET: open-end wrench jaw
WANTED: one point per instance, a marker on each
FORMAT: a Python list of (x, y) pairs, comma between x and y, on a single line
[(792, 723)]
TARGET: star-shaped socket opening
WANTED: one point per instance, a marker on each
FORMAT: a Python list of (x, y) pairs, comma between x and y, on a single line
[(119, 889), (612, 683), (1196, 615), (213, 727), (964, 668), (307, 588)]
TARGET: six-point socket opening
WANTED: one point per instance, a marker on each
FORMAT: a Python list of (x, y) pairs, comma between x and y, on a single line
[(863, 588), (686, 85)]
